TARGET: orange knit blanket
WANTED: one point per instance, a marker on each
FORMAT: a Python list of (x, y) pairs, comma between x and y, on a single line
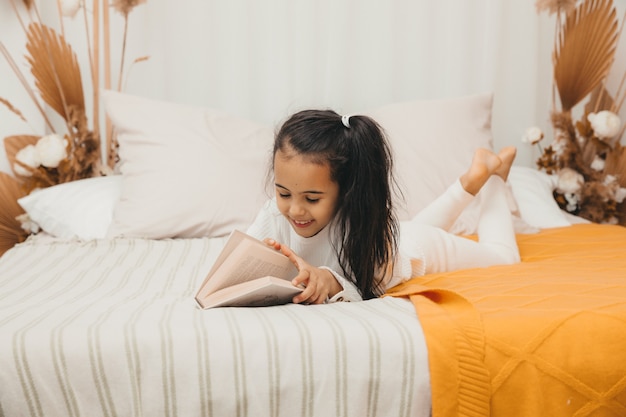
[(546, 337)]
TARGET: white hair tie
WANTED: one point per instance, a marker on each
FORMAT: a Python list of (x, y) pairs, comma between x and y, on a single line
[(345, 119)]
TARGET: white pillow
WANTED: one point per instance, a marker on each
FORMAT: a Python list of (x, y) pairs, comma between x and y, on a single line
[(433, 142), (80, 209), (532, 190), (187, 171)]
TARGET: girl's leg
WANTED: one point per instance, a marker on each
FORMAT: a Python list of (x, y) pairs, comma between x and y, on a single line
[(426, 236), (444, 211), (443, 251)]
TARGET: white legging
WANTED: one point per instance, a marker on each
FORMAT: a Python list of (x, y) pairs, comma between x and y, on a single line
[(428, 232)]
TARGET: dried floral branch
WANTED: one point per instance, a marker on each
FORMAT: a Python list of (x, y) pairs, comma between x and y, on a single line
[(555, 6), (111, 156), (12, 109), (96, 65), (126, 6)]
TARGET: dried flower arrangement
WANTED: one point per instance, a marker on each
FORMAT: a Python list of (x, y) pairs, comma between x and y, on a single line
[(586, 155), (74, 151)]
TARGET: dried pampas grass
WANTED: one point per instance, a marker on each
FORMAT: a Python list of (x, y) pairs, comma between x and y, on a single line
[(126, 6), (12, 109), (555, 6)]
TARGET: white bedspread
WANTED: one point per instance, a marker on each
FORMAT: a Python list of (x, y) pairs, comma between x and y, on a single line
[(110, 328)]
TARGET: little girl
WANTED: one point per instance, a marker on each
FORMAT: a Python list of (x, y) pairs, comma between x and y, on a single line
[(333, 214)]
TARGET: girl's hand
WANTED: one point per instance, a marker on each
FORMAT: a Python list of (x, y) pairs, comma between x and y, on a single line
[(319, 283)]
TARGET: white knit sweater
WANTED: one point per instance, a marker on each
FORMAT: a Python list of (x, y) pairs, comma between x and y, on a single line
[(316, 250)]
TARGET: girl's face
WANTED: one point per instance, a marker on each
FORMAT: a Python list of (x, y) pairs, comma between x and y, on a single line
[(305, 193)]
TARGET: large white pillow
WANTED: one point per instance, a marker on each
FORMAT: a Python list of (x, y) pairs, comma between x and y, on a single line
[(187, 171), (80, 209), (433, 143)]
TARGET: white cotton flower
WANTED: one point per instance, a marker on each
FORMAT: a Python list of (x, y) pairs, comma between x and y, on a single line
[(69, 8), (51, 150), (597, 164), (27, 224), (28, 156), (610, 180), (533, 135), (605, 124), (570, 181), (572, 201)]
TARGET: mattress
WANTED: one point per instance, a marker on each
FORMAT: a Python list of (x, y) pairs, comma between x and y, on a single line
[(110, 328)]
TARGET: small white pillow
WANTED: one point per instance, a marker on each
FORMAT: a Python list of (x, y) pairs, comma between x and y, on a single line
[(80, 209), (187, 171), (532, 190)]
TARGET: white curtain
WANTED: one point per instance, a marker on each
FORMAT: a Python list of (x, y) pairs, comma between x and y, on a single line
[(265, 59)]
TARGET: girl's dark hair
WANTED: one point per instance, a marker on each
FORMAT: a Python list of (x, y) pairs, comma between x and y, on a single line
[(361, 164)]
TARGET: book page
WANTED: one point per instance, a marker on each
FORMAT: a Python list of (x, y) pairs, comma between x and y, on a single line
[(243, 259)]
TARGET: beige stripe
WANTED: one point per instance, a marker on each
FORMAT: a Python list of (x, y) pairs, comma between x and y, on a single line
[(167, 352), (30, 279), (204, 364), (168, 364), (374, 364), (341, 355), (20, 264), (308, 387), (202, 265), (56, 342), (133, 357), (408, 358), (273, 361), (19, 346), (239, 365), (96, 355), (202, 339)]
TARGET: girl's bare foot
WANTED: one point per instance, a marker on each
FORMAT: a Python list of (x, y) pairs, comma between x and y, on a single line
[(484, 164), (507, 156)]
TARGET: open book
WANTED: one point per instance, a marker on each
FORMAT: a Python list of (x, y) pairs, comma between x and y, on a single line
[(247, 272)]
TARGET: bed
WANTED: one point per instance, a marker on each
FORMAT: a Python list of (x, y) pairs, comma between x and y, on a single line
[(98, 318)]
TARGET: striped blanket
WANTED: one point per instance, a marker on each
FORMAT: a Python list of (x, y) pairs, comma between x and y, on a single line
[(110, 328)]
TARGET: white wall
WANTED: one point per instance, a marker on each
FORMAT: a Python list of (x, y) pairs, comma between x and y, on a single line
[(263, 60), (13, 38)]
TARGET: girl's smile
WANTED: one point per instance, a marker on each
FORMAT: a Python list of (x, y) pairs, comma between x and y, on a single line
[(305, 193)]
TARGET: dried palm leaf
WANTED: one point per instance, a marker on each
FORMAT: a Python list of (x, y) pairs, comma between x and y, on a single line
[(11, 231), (585, 50), (55, 68), (13, 144)]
